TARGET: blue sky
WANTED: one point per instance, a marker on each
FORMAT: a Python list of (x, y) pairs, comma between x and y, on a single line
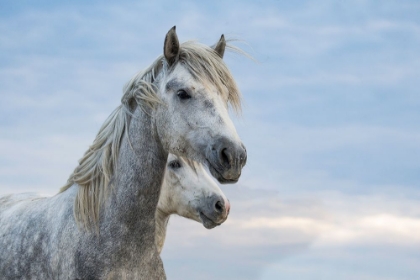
[(331, 121)]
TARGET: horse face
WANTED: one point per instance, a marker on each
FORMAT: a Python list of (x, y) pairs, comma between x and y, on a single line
[(193, 121), (192, 194)]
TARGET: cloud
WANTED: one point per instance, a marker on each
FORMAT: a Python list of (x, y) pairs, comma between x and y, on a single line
[(379, 229), (349, 263), (266, 233), (325, 220)]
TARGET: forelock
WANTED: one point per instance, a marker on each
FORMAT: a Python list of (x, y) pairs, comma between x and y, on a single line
[(206, 65)]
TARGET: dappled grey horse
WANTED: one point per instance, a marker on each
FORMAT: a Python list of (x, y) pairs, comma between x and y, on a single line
[(188, 191), (102, 223)]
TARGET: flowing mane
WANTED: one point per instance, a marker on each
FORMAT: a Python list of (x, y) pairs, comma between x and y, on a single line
[(96, 168)]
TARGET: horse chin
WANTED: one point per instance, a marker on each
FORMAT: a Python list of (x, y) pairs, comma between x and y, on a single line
[(207, 222), (219, 176)]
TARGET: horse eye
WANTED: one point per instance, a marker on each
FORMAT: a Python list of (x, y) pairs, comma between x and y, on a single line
[(182, 94), (175, 164)]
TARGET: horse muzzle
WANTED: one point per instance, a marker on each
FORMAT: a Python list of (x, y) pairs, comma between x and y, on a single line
[(226, 160), (215, 211)]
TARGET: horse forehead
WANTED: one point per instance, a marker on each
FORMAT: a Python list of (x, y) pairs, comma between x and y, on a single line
[(181, 75)]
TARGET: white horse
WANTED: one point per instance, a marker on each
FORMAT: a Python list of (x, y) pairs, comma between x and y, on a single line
[(102, 223), (188, 191)]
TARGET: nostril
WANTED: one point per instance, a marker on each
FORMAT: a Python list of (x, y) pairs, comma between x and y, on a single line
[(224, 156), (218, 206)]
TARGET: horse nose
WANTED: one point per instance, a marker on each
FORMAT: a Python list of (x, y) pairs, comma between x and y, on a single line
[(231, 157), (221, 206), (214, 211)]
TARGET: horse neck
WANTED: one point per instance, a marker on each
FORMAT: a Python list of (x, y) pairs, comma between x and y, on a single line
[(162, 219), (138, 179)]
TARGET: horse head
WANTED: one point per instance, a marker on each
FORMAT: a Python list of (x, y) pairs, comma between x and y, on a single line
[(195, 89), (188, 191)]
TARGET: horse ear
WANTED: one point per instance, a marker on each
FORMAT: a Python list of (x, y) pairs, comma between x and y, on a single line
[(220, 46), (171, 46)]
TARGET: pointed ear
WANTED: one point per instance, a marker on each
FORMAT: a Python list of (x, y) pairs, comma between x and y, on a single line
[(171, 46), (220, 46)]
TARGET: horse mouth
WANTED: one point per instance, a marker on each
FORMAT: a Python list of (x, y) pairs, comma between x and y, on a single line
[(207, 222), (216, 174)]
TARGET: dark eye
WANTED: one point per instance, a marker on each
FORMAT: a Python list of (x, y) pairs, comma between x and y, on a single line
[(175, 164), (182, 94)]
